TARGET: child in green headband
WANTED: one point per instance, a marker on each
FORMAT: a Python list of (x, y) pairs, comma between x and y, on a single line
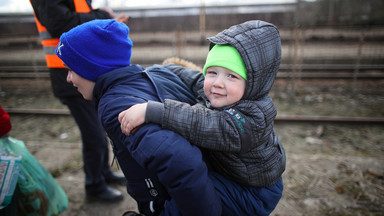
[(232, 121)]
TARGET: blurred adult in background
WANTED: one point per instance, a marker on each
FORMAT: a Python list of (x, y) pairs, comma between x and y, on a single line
[(54, 17)]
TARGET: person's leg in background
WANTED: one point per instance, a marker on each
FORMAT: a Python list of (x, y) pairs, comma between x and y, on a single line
[(94, 141), (95, 150)]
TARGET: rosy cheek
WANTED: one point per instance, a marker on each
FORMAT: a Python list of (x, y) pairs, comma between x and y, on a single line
[(206, 87)]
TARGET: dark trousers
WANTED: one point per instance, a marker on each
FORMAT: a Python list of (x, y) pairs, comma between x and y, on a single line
[(244, 200), (94, 140), (95, 144)]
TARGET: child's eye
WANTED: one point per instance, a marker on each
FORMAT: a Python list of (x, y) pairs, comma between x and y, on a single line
[(211, 72), (233, 76)]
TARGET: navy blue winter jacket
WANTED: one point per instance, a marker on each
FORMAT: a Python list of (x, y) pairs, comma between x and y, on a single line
[(155, 161)]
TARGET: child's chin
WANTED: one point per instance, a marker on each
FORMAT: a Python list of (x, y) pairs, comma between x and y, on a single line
[(216, 105)]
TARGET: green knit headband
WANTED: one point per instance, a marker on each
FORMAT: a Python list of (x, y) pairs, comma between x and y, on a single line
[(226, 56)]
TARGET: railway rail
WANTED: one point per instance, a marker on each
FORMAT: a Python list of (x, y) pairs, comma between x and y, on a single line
[(279, 118), (309, 71)]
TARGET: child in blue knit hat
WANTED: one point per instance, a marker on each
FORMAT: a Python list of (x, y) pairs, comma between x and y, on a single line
[(165, 174), (233, 121)]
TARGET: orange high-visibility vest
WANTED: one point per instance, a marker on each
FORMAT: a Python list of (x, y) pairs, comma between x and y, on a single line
[(50, 43)]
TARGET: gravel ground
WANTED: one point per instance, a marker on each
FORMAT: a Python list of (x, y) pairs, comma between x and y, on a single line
[(332, 169)]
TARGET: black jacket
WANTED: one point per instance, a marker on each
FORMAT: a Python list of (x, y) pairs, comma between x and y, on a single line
[(59, 16)]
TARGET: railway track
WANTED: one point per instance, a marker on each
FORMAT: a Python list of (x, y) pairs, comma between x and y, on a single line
[(309, 71), (279, 118)]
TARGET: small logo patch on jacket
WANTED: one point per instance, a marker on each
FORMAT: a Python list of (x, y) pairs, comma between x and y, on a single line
[(239, 119)]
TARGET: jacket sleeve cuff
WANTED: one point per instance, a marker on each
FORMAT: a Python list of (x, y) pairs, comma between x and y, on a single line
[(154, 112)]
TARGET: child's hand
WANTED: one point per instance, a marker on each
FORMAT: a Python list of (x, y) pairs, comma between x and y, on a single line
[(132, 117)]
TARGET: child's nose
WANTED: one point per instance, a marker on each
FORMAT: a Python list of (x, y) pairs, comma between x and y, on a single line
[(69, 78), (218, 82)]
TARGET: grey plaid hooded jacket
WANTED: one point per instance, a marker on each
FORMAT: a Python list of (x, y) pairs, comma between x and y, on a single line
[(239, 140)]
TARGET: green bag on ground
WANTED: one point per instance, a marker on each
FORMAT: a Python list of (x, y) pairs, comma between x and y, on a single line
[(40, 194), (9, 174)]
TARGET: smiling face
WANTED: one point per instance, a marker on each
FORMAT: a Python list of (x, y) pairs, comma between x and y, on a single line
[(223, 87), (84, 86)]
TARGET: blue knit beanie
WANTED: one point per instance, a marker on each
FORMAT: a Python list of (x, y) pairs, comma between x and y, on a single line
[(95, 47)]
